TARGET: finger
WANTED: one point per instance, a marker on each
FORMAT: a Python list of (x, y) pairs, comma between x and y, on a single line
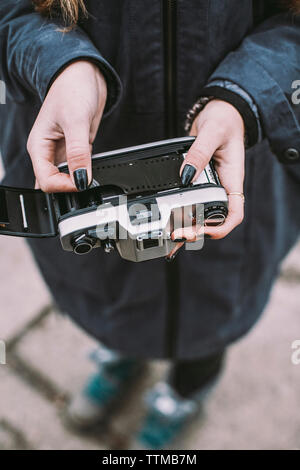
[(182, 236), (202, 149), (78, 150), (230, 166), (42, 153), (234, 218), (187, 234)]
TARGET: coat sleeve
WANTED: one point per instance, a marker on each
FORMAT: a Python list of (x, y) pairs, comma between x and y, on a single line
[(33, 51), (267, 66)]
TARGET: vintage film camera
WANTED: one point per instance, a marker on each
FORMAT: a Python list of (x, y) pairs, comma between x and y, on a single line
[(134, 203)]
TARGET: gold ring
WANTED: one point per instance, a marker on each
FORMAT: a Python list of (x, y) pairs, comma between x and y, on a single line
[(237, 194)]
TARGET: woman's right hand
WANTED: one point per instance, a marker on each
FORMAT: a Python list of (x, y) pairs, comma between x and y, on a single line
[(66, 126)]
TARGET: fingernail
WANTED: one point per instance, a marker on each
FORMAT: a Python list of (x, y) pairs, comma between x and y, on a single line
[(81, 179), (179, 240), (208, 237), (171, 258), (188, 174)]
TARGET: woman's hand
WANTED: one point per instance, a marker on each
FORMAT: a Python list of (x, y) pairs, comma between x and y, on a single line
[(66, 126), (220, 133)]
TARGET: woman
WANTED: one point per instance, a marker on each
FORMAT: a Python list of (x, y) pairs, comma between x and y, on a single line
[(124, 73)]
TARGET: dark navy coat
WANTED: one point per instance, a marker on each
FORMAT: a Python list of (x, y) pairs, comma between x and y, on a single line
[(207, 299)]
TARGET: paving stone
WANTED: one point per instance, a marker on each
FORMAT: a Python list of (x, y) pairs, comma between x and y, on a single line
[(292, 262), (36, 418), (67, 365), (59, 350), (23, 294), (11, 438), (7, 439)]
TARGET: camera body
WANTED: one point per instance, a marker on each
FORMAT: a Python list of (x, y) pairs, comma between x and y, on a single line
[(137, 200)]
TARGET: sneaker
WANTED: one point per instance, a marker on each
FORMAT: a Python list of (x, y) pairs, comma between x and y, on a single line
[(104, 390), (167, 416)]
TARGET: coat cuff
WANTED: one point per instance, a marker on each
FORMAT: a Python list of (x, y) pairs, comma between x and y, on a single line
[(56, 50), (275, 110), (248, 115)]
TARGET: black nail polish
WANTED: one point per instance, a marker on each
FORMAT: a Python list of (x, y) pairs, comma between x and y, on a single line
[(188, 174), (171, 258), (206, 236), (81, 179), (179, 240)]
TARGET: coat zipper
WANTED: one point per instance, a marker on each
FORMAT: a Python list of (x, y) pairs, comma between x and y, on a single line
[(172, 269), (169, 14)]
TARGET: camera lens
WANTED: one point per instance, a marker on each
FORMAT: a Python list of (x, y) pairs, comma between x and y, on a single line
[(82, 246), (214, 218)]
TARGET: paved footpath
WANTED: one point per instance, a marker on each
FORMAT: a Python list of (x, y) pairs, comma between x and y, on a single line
[(256, 405)]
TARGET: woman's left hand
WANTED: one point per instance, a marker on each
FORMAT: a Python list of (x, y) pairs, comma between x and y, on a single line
[(219, 131)]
